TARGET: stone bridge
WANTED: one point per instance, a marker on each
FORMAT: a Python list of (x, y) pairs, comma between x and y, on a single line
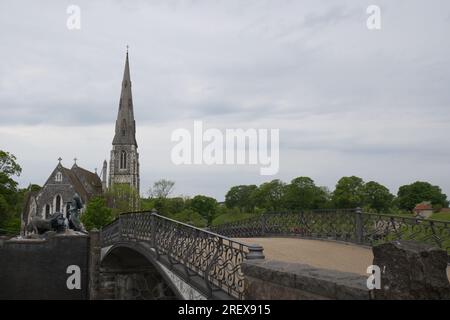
[(309, 255), (143, 255)]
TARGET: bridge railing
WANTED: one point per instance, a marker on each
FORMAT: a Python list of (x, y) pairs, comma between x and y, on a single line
[(214, 258), (350, 225)]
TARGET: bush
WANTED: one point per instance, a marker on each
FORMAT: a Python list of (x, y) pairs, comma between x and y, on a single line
[(191, 217), (97, 214), (11, 226), (231, 217)]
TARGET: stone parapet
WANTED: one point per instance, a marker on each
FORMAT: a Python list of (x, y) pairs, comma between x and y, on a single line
[(411, 270), (274, 280)]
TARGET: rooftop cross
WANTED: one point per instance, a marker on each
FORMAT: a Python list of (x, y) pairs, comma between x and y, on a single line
[(59, 160), (75, 160)]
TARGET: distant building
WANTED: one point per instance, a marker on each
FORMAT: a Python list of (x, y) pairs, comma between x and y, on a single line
[(423, 209), (59, 190), (63, 183)]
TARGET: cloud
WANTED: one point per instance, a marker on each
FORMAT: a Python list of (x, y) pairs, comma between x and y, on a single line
[(310, 68)]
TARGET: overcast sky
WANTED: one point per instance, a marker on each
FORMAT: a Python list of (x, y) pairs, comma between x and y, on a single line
[(347, 100)]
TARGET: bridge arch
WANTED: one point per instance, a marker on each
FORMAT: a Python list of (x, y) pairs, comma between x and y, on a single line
[(129, 271)]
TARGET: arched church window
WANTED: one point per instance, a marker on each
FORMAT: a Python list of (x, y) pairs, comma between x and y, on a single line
[(58, 177), (124, 127), (123, 160), (58, 203), (47, 210)]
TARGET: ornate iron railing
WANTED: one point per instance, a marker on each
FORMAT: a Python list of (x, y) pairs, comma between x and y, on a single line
[(351, 225), (214, 258)]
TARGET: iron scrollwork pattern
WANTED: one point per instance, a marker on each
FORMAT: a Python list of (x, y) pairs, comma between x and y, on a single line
[(214, 258), (380, 228), (349, 225)]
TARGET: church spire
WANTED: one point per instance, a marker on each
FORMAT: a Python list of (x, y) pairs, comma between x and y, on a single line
[(124, 163), (125, 124)]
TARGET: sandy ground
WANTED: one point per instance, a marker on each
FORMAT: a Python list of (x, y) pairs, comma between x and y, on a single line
[(321, 254)]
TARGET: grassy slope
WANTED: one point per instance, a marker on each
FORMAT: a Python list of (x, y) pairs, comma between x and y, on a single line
[(441, 216), (231, 217)]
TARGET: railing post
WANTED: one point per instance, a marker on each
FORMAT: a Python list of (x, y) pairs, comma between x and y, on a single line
[(255, 252), (359, 226)]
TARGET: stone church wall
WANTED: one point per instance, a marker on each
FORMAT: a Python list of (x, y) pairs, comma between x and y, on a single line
[(48, 194)]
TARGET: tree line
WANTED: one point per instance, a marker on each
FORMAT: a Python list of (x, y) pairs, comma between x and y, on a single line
[(274, 196), (350, 192), (241, 201)]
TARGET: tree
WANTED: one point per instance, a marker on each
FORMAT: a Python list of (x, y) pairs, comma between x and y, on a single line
[(176, 204), (323, 199), (97, 214), (191, 217), (241, 197), (269, 195), (122, 198), (10, 197), (377, 196), (349, 192), (302, 193), (168, 206), (205, 206), (161, 189), (410, 195), (8, 164)]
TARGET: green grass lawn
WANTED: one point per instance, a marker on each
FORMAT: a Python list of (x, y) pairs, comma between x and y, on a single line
[(441, 216)]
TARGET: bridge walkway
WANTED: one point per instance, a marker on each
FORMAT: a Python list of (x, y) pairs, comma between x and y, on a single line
[(318, 253)]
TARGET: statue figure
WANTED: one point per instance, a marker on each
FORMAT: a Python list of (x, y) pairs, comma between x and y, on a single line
[(40, 226), (57, 222), (74, 214)]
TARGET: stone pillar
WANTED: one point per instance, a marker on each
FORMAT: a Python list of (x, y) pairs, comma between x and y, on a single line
[(411, 270), (359, 226), (94, 263), (107, 285)]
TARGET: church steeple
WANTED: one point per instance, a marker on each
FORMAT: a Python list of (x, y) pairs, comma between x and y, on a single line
[(125, 123), (124, 163)]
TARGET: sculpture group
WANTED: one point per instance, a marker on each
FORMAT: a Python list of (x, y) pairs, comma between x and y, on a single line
[(57, 222)]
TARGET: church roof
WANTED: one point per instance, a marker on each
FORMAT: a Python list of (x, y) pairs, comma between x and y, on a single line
[(90, 181), (125, 133), (85, 183), (76, 183)]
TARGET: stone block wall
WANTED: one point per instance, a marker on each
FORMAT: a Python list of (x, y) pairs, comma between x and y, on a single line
[(37, 269), (276, 280), (144, 284), (412, 270), (408, 270)]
